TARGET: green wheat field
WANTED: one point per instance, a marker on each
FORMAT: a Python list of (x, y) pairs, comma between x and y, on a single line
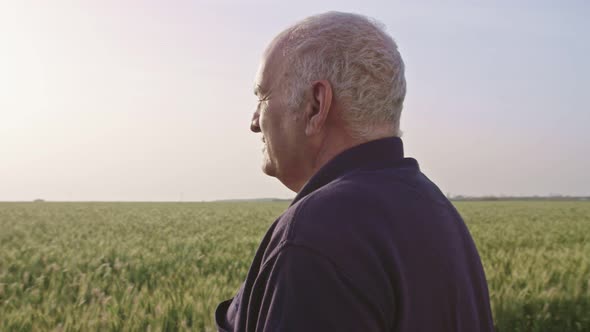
[(165, 266)]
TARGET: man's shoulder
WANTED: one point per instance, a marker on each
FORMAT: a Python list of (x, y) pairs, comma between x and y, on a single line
[(356, 208), (326, 213), (360, 201), (374, 190)]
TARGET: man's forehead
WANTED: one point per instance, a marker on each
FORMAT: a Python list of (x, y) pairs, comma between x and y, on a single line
[(263, 75), (271, 66)]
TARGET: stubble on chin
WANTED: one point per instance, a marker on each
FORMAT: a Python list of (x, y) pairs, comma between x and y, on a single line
[(267, 165), (268, 169)]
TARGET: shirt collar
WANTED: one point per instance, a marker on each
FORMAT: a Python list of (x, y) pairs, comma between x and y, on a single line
[(385, 152)]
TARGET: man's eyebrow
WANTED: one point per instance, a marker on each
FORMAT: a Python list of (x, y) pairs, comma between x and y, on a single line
[(259, 93)]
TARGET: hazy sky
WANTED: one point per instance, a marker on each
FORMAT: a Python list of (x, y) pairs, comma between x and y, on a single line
[(152, 100)]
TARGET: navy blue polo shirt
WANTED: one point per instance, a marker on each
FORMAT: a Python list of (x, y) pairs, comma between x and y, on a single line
[(369, 244)]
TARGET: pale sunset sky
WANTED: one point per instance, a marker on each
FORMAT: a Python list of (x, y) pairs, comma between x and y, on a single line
[(152, 100)]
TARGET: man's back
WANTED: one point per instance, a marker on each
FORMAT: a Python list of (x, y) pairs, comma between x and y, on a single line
[(369, 244)]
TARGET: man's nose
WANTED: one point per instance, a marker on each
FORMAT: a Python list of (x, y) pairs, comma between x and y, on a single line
[(255, 125)]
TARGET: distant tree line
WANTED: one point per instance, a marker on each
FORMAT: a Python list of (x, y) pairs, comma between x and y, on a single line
[(551, 197)]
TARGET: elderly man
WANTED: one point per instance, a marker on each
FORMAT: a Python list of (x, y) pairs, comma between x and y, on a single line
[(368, 243)]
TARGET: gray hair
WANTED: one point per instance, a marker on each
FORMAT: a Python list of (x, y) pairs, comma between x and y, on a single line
[(358, 58)]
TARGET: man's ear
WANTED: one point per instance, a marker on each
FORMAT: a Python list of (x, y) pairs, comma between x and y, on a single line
[(321, 102)]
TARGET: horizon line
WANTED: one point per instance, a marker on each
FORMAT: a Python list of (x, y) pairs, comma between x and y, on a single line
[(276, 199)]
